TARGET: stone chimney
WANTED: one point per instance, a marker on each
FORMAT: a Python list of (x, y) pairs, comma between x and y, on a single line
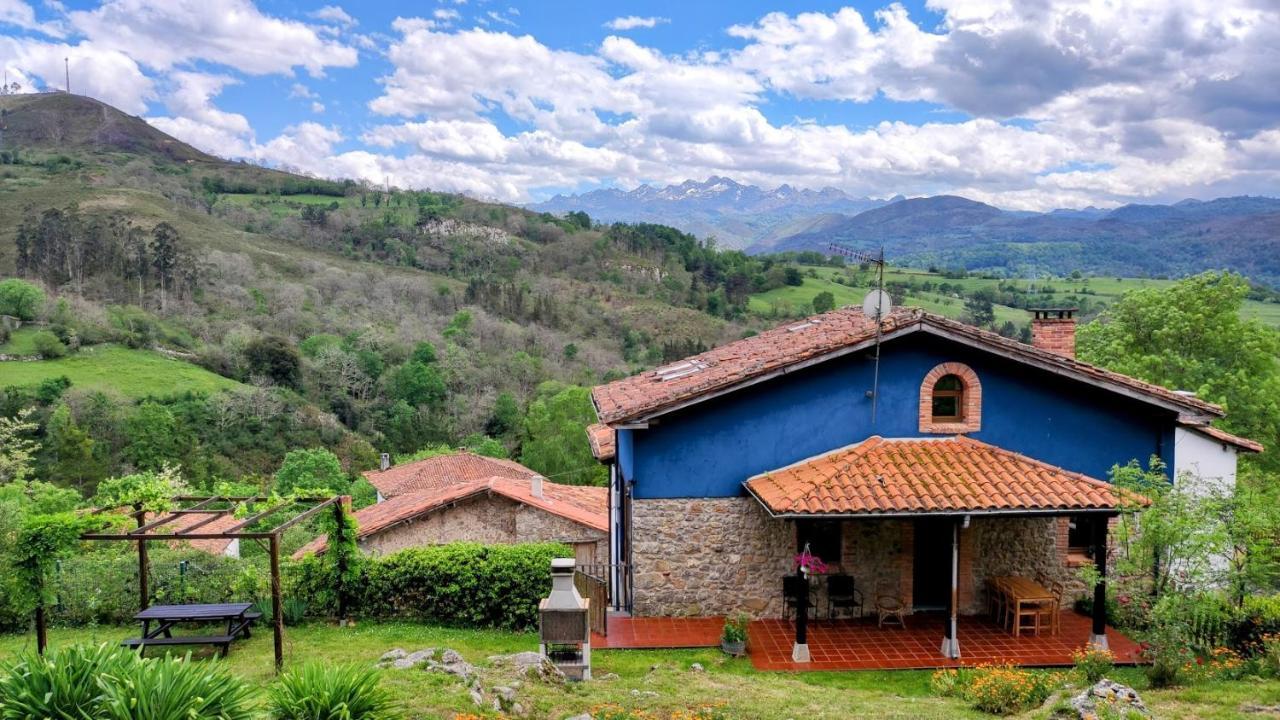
[(385, 461), (535, 486), (1054, 329)]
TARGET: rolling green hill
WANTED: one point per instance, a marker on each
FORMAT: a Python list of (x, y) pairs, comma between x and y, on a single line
[(110, 368)]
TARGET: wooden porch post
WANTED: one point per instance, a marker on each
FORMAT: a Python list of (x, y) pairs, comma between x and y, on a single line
[(277, 615), (950, 640), (144, 565), (1098, 635)]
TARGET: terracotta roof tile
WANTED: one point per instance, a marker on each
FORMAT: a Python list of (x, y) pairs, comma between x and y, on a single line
[(1225, 437), (585, 505), (186, 520), (946, 475), (443, 471), (603, 443), (738, 362)]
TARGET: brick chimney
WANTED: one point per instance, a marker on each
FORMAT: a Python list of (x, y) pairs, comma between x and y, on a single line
[(1054, 329)]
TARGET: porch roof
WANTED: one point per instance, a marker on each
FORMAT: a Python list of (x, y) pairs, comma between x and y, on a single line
[(917, 476)]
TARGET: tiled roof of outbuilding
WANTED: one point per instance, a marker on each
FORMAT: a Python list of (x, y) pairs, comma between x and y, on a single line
[(443, 471), (928, 475), (585, 505), (796, 344)]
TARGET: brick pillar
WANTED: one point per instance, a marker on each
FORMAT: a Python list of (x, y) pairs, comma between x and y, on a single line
[(906, 564), (967, 598)]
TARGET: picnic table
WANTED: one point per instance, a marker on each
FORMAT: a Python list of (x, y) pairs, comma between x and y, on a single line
[(1024, 591), (237, 616)]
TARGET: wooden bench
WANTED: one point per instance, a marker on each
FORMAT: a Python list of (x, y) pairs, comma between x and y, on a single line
[(222, 642)]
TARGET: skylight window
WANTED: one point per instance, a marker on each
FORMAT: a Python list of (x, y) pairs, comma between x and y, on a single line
[(684, 368)]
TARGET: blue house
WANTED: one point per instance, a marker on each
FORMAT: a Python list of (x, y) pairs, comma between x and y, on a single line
[(923, 458)]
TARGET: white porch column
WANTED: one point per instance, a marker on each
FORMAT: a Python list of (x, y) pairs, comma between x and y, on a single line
[(951, 640)]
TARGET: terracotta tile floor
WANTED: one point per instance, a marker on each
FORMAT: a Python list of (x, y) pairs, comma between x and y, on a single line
[(860, 645), (660, 632)]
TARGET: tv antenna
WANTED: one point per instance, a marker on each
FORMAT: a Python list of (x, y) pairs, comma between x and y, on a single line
[(877, 304)]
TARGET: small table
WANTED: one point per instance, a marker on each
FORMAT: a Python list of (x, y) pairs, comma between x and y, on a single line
[(1025, 591), (236, 615)]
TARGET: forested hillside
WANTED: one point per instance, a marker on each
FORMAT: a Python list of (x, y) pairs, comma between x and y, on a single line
[(330, 314)]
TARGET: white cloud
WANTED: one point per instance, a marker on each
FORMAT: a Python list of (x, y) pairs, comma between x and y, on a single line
[(233, 33), (446, 14), (631, 22), (317, 107), (298, 90), (103, 73), (23, 15), (334, 14)]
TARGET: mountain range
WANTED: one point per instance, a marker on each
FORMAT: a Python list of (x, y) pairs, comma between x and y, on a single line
[(1238, 233), (737, 215)]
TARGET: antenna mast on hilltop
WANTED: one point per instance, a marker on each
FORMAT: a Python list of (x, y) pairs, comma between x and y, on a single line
[(66, 65), (876, 304)]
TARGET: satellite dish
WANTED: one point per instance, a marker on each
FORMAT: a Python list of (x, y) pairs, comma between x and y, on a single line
[(877, 304)]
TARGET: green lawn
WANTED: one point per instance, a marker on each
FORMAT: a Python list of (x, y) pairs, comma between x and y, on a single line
[(132, 373), (651, 680), (21, 342)]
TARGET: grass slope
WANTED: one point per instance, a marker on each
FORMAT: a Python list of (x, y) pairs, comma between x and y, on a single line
[(655, 681), (787, 300), (132, 373)]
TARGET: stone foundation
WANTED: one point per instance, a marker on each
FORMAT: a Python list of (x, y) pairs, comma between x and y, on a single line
[(698, 557)]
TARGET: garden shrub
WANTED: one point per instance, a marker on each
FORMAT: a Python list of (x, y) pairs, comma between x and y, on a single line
[(62, 684), (1168, 653), (171, 688), (320, 692), (1001, 689), (101, 587), (48, 345), (460, 583), (1093, 663)]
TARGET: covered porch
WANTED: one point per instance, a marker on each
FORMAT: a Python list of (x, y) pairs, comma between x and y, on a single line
[(950, 525)]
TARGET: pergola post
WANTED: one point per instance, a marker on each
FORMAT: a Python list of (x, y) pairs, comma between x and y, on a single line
[(950, 639), (1098, 635), (277, 614), (144, 565), (340, 510)]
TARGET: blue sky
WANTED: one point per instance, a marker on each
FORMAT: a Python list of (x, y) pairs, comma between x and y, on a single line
[(1023, 104)]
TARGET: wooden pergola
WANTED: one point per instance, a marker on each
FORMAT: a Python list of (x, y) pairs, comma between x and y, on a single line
[(214, 508)]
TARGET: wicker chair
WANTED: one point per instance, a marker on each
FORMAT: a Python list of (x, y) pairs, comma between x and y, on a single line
[(891, 609)]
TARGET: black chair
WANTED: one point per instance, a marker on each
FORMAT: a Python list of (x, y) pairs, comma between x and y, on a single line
[(843, 594), (793, 588)]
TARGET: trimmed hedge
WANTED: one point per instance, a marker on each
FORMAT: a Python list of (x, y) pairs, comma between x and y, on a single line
[(456, 584)]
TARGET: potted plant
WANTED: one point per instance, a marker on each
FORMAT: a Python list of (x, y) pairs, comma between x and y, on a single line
[(809, 564), (733, 639)]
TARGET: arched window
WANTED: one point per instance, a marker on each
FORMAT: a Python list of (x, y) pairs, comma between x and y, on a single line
[(951, 400)]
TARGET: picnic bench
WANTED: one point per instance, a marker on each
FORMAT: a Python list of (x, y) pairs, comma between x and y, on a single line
[(237, 616)]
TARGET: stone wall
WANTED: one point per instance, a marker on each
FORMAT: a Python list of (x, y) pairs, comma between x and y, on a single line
[(490, 519), (710, 556), (718, 556)]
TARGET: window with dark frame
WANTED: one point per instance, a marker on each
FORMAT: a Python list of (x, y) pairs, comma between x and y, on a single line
[(948, 399), (823, 536), (1080, 534)]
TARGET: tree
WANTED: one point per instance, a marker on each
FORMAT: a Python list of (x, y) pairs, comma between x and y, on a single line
[(555, 431), (17, 447), (505, 418), (152, 491), (315, 469), (979, 309), (43, 540), (153, 437), (824, 302), (417, 384), (164, 257), (70, 450), (274, 358), (791, 276), (1190, 336), (20, 299)]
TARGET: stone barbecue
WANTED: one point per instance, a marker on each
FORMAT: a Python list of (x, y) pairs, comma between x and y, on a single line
[(564, 632)]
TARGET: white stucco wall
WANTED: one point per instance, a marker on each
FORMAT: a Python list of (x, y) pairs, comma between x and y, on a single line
[(1203, 461)]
